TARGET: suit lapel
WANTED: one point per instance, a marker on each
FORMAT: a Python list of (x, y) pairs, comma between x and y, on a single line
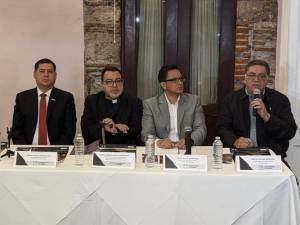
[(182, 104), (245, 111), (164, 111), (100, 106), (34, 104), (52, 102)]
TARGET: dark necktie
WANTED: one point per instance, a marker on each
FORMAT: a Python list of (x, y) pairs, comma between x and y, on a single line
[(42, 120)]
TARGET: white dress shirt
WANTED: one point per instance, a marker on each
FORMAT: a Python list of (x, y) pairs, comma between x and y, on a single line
[(173, 108)]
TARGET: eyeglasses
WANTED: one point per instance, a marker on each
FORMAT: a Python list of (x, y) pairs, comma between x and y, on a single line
[(175, 80), (111, 83), (252, 76)]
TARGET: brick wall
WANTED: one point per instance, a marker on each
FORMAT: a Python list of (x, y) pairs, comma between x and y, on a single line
[(256, 28), (255, 37), (99, 35)]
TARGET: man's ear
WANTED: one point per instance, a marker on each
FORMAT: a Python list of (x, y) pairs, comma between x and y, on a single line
[(163, 85)]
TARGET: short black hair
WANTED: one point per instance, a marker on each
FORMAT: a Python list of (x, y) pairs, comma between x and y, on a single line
[(109, 68), (44, 61), (259, 63), (162, 75)]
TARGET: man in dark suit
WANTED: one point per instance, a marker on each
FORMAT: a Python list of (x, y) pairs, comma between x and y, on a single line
[(257, 116), (44, 115), (119, 113)]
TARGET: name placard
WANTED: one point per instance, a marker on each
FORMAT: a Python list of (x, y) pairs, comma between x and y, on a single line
[(185, 162), (35, 159), (114, 160), (259, 163)]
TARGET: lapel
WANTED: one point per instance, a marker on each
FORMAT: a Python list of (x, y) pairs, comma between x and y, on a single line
[(123, 110), (182, 105), (100, 106), (245, 110), (34, 104), (164, 111), (53, 98)]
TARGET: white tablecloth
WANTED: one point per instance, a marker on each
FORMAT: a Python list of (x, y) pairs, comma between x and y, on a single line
[(83, 195)]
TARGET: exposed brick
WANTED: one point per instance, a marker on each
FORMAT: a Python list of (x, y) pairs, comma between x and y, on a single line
[(241, 48), (241, 42), (241, 61), (264, 31), (257, 23), (264, 49), (239, 67), (242, 30), (242, 36)]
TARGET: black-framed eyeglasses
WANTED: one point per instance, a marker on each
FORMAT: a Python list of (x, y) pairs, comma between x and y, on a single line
[(259, 76), (175, 80), (111, 83)]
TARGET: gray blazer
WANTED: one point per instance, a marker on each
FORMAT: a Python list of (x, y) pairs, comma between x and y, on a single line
[(156, 117)]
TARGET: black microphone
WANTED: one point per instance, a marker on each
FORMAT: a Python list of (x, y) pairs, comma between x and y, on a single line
[(256, 94), (8, 151), (188, 140)]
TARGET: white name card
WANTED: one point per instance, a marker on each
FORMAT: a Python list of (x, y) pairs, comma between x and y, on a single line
[(185, 162), (259, 163), (114, 159), (35, 159)]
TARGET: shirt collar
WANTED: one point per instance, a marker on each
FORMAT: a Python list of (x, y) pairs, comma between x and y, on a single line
[(47, 92), (169, 103)]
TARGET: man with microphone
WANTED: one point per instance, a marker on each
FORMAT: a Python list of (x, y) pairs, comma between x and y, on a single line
[(257, 116)]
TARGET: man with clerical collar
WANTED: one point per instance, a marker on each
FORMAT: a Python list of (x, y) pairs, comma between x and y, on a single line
[(257, 116), (119, 113), (165, 116), (44, 115)]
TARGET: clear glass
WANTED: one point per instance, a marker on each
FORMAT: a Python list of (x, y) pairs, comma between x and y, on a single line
[(150, 152), (217, 158), (79, 150)]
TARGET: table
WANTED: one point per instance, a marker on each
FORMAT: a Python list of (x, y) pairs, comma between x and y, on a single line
[(82, 195)]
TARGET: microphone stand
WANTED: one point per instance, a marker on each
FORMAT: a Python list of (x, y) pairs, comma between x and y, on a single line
[(102, 135), (8, 151)]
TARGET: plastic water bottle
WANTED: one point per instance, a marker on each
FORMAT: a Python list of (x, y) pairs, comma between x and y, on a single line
[(150, 151), (79, 149), (217, 153)]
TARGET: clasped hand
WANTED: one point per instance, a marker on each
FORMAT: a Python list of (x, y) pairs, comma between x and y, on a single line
[(112, 127), (167, 143)]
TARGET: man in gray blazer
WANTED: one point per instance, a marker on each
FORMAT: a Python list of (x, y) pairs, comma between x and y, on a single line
[(166, 116)]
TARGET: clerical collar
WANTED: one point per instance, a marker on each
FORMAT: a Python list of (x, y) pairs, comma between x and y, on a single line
[(112, 101)]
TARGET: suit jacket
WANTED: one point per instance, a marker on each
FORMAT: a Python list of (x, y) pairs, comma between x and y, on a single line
[(129, 113), (61, 117), (156, 117), (234, 121)]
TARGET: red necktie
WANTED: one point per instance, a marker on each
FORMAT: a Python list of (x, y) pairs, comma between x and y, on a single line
[(42, 120)]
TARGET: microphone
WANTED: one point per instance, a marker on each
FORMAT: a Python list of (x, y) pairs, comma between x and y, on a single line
[(188, 140), (256, 94)]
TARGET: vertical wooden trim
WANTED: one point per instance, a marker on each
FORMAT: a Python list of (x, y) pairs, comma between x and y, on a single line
[(184, 38), (171, 29), (129, 45), (177, 35), (227, 48)]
